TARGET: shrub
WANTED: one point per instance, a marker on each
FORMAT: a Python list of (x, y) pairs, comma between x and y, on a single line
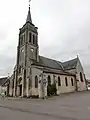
[(51, 89)]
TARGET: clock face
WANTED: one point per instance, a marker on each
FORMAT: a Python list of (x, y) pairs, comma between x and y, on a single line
[(31, 49), (22, 50)]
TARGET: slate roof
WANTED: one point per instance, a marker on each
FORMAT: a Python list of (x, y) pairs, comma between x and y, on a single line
[(50, 63), (71, 64), (3, 80)]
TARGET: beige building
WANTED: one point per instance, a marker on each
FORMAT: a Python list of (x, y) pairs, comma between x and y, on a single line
[(38, 76)]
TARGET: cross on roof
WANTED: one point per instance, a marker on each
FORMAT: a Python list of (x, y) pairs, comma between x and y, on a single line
[(29, 2)]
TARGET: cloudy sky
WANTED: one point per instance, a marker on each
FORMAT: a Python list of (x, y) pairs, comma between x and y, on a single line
[(64, 30)]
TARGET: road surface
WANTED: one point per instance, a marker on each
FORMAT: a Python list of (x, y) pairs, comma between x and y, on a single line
[(73, 106)]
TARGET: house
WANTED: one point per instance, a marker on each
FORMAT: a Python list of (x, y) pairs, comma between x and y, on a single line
[(3, 86)]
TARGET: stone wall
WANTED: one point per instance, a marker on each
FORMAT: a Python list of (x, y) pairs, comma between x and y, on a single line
[(81, 85), (0, 89), (35, 72), (60, 89), (63, 88)]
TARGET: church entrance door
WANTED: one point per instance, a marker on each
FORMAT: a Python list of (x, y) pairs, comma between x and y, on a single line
[(20, 90)]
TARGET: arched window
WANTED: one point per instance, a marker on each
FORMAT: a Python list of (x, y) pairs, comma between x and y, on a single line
[(24, 78), (30, 37), (21, 41), (24, 38), (66, 82), (36, 82), (19, 81), (36, 40), (19, 69), (72, 82), (59, 81), (13, 84), (49, 80), (33, 39), (81, 77), (30, 83)]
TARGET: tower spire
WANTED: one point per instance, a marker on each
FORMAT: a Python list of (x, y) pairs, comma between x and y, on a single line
[(29, 19), (29, 2)]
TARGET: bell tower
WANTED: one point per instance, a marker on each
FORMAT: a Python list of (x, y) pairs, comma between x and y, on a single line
[(27, 51), (28, 41)]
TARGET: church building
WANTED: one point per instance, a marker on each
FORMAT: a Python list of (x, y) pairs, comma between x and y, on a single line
[(34, 75)]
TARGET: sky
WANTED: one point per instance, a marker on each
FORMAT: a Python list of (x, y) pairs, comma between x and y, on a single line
[(63, 26)]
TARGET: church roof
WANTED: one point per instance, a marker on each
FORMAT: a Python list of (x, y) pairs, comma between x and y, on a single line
[(71, 64), (3, 80), (50, 63)]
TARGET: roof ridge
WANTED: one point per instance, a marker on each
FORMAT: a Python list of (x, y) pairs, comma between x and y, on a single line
[(70, 60), (60, 64), (50, 58), (55, 61)]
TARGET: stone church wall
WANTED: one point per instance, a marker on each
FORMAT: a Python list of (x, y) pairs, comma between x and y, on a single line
[(63, 88), (81, 85), (35, 72), (0, 89), (60, 89)]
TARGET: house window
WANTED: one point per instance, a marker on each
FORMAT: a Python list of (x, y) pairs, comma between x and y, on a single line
[(81, 77), (72, 82), (36, 82), (59, 81), (49, 80), (30, 37), (33, 39), (66, 82)]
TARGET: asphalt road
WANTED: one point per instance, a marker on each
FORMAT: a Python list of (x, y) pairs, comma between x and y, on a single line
[(74, 106)]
